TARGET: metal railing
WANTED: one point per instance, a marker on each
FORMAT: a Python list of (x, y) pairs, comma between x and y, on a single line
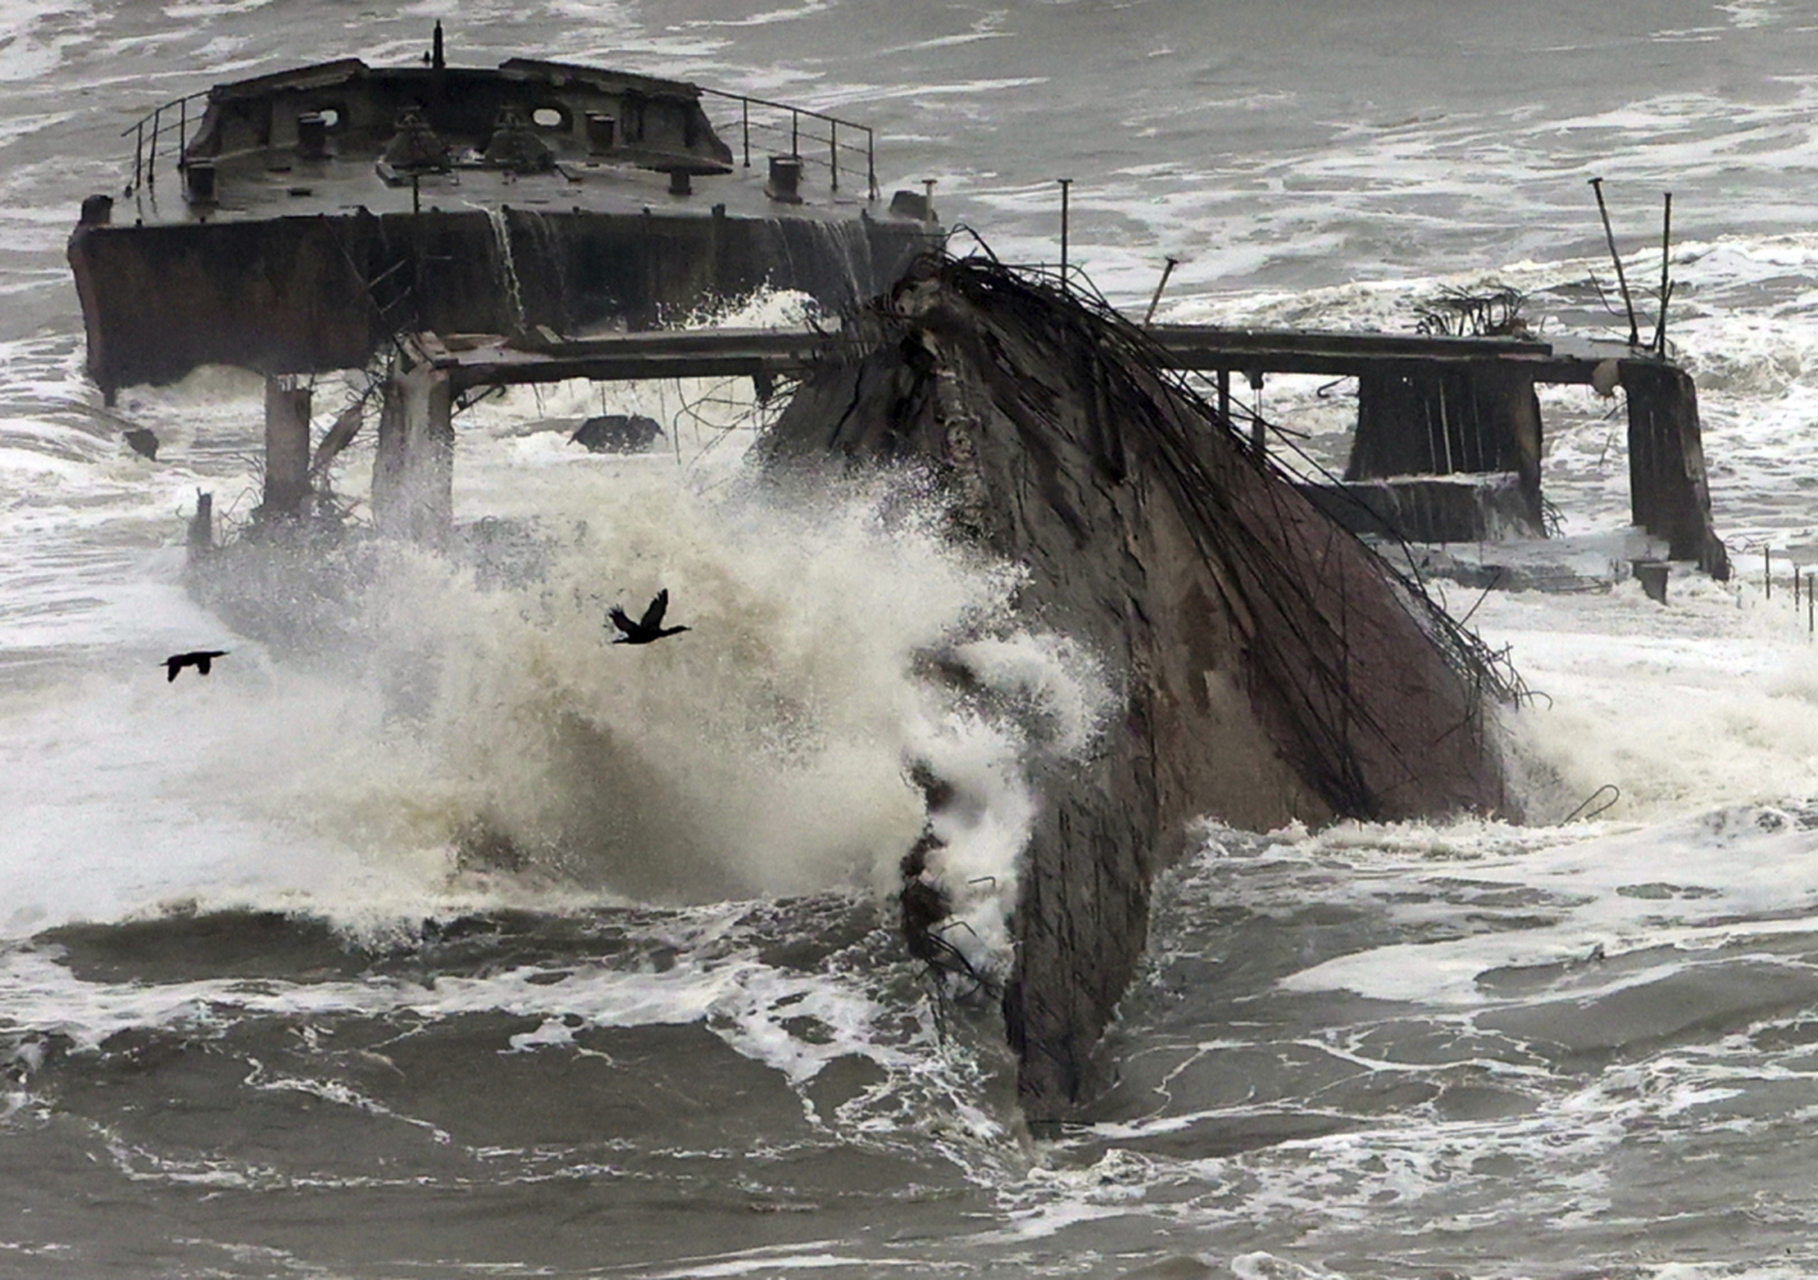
[(759, 119), (172, 117), (766, 120)]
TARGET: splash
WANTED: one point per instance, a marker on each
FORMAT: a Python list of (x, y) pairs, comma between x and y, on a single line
[(765, 752)]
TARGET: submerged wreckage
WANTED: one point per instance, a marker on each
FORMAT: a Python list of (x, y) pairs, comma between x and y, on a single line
[(1271, 667)]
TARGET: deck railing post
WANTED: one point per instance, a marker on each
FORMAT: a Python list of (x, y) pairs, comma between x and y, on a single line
[(871, 162), (745, 124), (138, 154), (151, 160), (795, 132), (833, 151), (182, 132)]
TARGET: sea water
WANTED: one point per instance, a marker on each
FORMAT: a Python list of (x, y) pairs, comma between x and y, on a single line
[(452, 940)]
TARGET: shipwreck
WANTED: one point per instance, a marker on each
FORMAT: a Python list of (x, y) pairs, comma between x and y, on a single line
[(1272, 667), (456, 229), (296, 221)]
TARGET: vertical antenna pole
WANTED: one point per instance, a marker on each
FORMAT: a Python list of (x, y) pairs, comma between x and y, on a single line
[(1167, 270), (1666, 285), (1622, 281), (1259, 440)]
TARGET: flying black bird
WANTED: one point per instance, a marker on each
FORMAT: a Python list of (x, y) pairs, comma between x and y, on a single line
[(649, 627), (201, 660)]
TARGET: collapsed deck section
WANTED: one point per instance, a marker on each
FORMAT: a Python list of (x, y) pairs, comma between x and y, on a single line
[(1449, 435)]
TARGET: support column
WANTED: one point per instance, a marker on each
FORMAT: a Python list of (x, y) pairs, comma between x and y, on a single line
[(413, 474), (1669, 494), (286, 449), (1509, 428), (202, 525)]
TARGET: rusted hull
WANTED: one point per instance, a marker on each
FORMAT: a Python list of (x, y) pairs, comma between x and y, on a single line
[(304, 294)]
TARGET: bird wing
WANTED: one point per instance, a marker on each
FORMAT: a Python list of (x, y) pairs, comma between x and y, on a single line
[(172, 666), (621, 619), (653, 616)]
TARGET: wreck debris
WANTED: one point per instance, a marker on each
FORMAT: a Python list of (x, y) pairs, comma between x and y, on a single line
[(1443, 406), (617, 433), (142, 441), (1461, 313), (1271, 668)]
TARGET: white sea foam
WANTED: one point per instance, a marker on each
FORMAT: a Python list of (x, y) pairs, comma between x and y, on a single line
[(763, 752)]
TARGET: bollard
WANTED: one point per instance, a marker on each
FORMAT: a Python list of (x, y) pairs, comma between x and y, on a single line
[(785, 179), (199, 180)]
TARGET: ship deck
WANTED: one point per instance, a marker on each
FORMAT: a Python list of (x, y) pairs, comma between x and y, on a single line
[(339, 137), (278, 184)]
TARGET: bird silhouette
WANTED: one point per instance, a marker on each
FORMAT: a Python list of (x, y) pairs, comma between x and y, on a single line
[(201, 660), (649, 627)]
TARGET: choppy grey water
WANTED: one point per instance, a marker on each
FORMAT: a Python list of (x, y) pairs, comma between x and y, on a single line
[(258, 1020)]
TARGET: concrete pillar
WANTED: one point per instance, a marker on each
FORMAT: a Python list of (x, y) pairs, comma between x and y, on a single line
[(1509, 427), (413, 474), (1669, 494), (286, 449), (202, 525)]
